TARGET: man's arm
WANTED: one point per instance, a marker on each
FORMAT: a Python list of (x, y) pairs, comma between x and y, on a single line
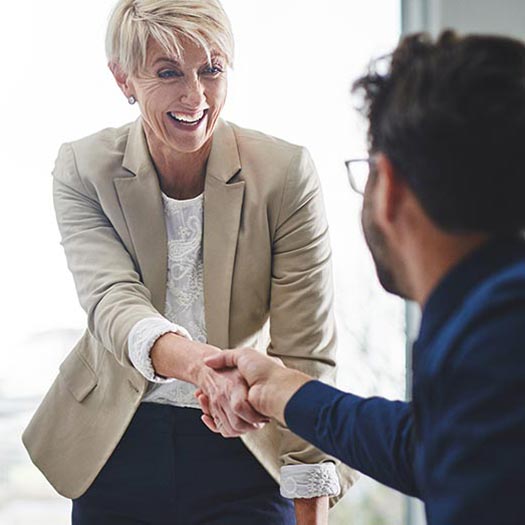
[(372, 435)]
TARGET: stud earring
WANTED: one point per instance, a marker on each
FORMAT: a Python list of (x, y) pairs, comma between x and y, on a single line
[(132, 100)]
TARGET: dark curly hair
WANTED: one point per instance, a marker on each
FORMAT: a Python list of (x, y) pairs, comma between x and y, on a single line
[(450, 116)]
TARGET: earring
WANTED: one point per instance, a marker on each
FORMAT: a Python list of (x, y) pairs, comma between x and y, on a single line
[(132, 100)]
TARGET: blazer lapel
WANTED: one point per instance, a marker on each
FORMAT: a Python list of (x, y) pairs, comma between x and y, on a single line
[(223, 201), (140, 198)]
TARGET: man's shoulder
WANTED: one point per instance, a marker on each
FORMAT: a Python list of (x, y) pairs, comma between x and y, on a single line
[(502, 292), (489, 328)]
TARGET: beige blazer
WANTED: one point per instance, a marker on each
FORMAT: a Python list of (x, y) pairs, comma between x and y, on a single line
[(267, 283)]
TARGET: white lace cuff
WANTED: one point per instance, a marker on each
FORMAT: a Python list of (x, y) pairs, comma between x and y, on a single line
[(309, 481), (141, 339)]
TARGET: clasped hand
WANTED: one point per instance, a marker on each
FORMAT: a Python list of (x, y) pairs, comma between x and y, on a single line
[(234, 394), (223, 396)]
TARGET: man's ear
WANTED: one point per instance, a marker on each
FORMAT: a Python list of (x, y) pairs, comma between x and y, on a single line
[(389, 191), (121, 78)]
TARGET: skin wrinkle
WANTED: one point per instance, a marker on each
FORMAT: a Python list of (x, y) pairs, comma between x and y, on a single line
[(187, 84)]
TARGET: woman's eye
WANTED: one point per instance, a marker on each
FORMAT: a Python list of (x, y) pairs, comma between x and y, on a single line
[(168, 73), (213, 70)]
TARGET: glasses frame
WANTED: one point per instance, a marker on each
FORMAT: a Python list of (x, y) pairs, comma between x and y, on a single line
[(351, 176)]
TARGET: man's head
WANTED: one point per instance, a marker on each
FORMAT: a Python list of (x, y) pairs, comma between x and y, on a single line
[(447, 142)]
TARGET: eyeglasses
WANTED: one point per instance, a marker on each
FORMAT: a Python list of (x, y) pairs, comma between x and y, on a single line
[(358, 171)]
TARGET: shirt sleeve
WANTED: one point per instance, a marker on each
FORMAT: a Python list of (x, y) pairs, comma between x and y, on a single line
[(372, 435), (141, 339)]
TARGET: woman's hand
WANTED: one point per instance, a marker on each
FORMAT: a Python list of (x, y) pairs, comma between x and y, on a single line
[(223, 396), (271, 385), (225, 402)]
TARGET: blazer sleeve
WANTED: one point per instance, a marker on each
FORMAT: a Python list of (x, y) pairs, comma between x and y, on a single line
[(108, 284), (373, 435), (302, 328)]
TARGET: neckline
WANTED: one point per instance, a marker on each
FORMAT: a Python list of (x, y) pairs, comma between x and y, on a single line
[(193, 200)]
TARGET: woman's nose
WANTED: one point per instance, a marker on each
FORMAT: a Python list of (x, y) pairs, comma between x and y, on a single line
[(193, 93)]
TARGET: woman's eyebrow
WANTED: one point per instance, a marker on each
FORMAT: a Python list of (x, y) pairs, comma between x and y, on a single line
[(175, 62), (166, 59)]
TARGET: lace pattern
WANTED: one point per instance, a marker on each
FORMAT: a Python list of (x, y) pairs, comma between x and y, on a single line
[(309, 481), (184, 313), (184, 308), (142, 338)]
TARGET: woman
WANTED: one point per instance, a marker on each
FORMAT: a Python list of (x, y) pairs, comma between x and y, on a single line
[(185, 235)]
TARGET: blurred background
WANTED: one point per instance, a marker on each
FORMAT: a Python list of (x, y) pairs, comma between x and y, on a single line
[(295, 63)]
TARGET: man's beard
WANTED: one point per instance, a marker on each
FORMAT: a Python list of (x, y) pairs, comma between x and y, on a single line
[(378, 246)]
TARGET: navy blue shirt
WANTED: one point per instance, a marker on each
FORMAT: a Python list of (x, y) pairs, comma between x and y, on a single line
[(460, 444)]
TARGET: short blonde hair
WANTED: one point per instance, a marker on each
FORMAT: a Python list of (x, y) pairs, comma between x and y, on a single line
[(134, 22)]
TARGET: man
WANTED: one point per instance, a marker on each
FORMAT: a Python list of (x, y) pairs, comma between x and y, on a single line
[(442, 215)]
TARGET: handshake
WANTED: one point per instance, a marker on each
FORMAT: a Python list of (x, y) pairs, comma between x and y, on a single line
[(242, 390)]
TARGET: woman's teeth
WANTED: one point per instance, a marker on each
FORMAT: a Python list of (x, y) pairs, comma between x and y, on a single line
[(186, 119)]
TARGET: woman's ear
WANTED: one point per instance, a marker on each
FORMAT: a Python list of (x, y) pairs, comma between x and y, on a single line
[(121, 78)]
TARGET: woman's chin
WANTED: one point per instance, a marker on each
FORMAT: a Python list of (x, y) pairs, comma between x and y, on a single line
[(187, 144), (188, 140)]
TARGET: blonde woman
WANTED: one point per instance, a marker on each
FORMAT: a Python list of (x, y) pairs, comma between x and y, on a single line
[(185, 235)]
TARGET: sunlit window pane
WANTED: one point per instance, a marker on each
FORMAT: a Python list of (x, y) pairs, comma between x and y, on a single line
[(294, 67)]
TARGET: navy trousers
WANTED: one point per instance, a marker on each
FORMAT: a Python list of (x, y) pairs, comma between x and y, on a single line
[(170, 469)]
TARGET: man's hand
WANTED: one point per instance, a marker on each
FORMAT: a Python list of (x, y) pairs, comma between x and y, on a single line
[(224, 399), (271, 385), (176, 356)]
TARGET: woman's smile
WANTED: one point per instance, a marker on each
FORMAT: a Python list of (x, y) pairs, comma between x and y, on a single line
[(181, 98), (188, 121)]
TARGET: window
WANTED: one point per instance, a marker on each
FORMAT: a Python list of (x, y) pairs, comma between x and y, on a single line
[(294, 66)]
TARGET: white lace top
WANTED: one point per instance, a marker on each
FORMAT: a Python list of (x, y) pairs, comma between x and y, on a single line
[(184, 314)]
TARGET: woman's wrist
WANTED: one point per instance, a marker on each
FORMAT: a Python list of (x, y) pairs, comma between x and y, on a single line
[(176, 356), (198, 369)]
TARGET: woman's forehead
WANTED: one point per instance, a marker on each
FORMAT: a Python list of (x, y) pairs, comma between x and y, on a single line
[(190, 52)]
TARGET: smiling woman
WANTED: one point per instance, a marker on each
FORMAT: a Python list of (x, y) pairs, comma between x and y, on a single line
[(173, 63), (294, 64), (180, 99), (185, 234)]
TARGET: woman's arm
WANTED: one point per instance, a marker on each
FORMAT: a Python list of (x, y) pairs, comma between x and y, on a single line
[(110, 290), (107, 281), (302, 326)]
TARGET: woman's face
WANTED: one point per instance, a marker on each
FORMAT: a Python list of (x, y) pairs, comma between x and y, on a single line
[(180, 99)]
